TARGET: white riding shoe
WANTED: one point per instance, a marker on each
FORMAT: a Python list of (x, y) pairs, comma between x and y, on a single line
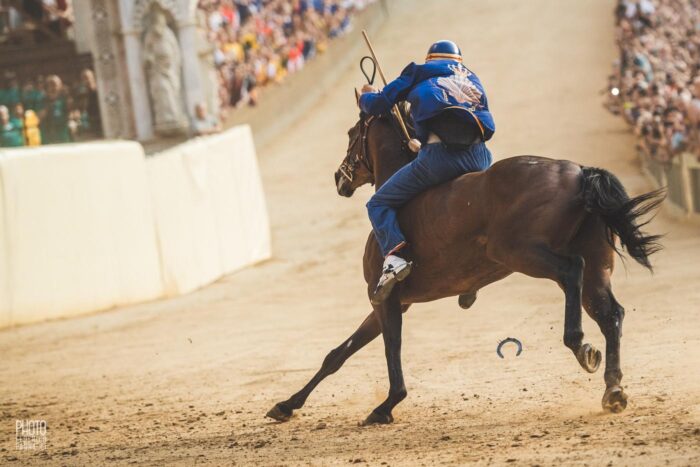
[(395, 270)]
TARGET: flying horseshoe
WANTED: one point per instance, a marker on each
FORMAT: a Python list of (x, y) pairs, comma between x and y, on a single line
[(505, 341)]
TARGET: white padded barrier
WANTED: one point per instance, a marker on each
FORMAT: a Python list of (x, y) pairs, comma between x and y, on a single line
[(210, 209), (85, 227), (77, 231)]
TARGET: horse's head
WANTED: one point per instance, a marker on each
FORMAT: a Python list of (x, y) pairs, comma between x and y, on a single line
[(370, 136), (356, 169)]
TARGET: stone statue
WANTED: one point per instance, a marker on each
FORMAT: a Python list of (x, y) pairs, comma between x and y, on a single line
[(162, 60)]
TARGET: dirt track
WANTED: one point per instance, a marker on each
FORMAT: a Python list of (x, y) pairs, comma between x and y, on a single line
[(187, 381)]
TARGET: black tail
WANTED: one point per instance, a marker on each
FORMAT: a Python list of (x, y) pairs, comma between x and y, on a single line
[(604, 195)]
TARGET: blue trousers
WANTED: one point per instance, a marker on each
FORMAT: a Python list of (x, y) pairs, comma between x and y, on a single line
[(435, 164)]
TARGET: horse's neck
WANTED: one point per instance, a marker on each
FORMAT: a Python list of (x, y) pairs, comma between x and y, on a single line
[(387, 157), (384, 168)]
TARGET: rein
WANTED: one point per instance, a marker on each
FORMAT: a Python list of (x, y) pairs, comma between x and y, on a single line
[(347, 168), (370, 80)]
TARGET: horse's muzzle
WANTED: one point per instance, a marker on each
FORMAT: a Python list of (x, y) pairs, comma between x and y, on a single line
[(342, 185)]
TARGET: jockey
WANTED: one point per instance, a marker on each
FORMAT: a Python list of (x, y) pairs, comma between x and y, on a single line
[(452, 120)]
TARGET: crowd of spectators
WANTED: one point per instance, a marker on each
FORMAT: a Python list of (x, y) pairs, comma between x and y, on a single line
[(255, 43), (258, 42), (43, 19), (655, 83), (46, 111)]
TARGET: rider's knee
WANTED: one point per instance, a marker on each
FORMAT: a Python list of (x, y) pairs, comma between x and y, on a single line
[(375, 203)]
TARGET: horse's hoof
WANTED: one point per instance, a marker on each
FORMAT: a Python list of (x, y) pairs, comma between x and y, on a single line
[(614, 399), (467, 300), (589, 357), (280, 412), (377, 419)]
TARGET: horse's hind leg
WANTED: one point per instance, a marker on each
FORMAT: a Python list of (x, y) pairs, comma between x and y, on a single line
[(368, 330), (601, 306), (571, 280), (541, 262)]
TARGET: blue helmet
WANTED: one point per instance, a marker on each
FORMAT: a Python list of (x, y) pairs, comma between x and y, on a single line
[(444, 50)]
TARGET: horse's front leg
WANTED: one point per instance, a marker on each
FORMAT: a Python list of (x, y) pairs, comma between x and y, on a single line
[(368, 330), (389, 314)]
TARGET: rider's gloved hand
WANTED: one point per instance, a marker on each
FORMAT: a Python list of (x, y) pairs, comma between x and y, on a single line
[(369, 88)]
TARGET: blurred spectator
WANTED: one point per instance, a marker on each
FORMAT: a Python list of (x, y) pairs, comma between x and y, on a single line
[(655, 84), (10, 93), (10, 18), (17, 116), (88, 104), (32, 133), (33, 9), (57, 15), (11, 134), (54, 116), (243, 86), (43, 19), (204, 123), (32, 97)]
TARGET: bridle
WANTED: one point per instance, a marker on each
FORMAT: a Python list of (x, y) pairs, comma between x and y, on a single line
[(348, 167)]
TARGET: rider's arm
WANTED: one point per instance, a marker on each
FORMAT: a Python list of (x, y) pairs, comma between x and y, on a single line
[(377, 103)]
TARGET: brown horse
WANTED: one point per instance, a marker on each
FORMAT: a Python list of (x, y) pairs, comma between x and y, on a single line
[(549, 219)]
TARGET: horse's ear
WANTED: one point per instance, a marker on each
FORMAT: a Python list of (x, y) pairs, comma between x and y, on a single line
[(357, 97)]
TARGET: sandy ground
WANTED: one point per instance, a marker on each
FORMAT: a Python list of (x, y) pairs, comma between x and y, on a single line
[(188, 381)]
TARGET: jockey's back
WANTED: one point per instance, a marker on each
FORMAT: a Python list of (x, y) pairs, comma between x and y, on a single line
[(440, 92)]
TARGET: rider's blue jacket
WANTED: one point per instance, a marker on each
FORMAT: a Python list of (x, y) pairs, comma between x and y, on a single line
[(431, 88)]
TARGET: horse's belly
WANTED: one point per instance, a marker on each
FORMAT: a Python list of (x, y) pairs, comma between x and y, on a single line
[(448, 275)]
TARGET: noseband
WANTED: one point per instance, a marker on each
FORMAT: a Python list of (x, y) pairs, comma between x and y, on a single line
[(348, 167)]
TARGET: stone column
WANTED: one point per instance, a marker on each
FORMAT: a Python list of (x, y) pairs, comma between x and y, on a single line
[(207, 68), (139, 91), (82, 28), (113, 92), (191, 76)]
